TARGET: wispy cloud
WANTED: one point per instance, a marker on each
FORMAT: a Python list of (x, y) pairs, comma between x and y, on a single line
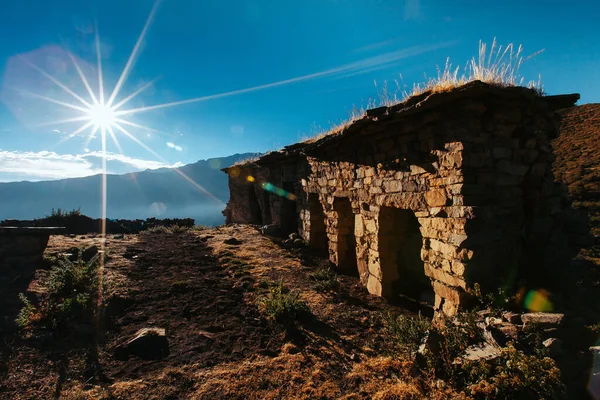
[(44, 165), (353, 68), (174, 146), (375, 46)]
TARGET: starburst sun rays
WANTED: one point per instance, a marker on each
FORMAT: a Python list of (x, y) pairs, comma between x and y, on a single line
[(106, 115)]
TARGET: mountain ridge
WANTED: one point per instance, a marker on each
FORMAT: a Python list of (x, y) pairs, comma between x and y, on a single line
[(150, 193)]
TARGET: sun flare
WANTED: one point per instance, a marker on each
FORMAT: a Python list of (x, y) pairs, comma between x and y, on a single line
[(101, 115), (106, 116)]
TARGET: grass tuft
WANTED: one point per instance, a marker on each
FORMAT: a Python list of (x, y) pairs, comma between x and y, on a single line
[(282, 306)]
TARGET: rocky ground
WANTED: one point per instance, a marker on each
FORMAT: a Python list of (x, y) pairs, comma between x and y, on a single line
[(203, 292), (200, 289)]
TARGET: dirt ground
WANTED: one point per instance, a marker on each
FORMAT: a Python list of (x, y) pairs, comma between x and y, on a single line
[(204, 292)]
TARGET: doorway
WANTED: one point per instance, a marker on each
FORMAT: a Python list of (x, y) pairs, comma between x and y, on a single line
[(318, 233), (289, 214), (253, 206), (346, 245), (400, 243)]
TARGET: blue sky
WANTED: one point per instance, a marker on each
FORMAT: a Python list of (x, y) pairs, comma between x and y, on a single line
[(322, 58)]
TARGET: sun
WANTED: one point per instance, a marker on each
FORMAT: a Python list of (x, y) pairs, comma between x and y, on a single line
[(102, 116)]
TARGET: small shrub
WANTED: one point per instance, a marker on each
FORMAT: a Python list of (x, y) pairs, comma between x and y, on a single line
[(282, 306), (25, 318), (71, 292), (157, 230), (326, 280), (514, 375), (407, 332), (595, 328), (179, 229), (60, 213)]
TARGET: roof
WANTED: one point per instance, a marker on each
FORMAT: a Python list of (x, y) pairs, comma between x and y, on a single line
[(413, 105)]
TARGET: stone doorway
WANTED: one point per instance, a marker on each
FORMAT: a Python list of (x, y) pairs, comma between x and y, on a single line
[(318, 233), (268, 219), (254, 208), (346, 245), (289, 214), (400, 243)]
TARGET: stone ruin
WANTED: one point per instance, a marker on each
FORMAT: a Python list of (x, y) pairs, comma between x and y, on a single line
[(427, 197), (21, 253)]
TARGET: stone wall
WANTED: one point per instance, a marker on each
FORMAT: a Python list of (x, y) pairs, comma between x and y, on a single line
[(452, 188), (265, 195), (21, 253)]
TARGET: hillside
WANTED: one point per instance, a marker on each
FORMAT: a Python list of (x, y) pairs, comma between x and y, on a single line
[(153, 193)]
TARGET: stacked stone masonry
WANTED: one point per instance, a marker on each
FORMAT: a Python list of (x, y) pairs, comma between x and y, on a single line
[(425, 198)]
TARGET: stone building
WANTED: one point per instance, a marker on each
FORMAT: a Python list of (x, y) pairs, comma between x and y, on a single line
[(424, 198)]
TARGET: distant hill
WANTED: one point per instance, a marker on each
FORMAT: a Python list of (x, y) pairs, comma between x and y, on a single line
[(152, 193), (577, 164)]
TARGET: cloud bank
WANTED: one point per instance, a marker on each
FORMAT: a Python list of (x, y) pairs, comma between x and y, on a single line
[(48, 165)]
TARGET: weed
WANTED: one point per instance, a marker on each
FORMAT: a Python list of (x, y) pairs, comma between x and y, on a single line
[(514, 375), (326, 279), (407, 332), (156, 230), (595, 328), (179, 229), (282, 306), (26, 314), (72, 288)]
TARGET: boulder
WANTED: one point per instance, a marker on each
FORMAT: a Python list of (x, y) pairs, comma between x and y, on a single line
[(543, 320), (232, 241), (147, 344), (270, 230), (88, 253), (479, 352)]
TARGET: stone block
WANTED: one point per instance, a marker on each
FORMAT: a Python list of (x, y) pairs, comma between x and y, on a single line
[(436, 198), (542, 319), (392, 186), (374, 286), (447, 250), (444, 277)]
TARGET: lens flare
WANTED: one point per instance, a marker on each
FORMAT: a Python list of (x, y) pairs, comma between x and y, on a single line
[(269, 187), (538, 301)]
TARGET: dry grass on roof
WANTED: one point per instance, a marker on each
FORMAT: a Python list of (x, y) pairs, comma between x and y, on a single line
[(500, 67)]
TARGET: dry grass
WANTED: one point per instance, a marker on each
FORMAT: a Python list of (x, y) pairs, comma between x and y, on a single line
[(499, 67), (496, 65)]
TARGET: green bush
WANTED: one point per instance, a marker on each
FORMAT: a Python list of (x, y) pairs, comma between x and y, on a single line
[(326, 280), (511, 375), (514, 375), (407, 332), (282, 306), (70, 296), (60, 213), (166, 229)]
